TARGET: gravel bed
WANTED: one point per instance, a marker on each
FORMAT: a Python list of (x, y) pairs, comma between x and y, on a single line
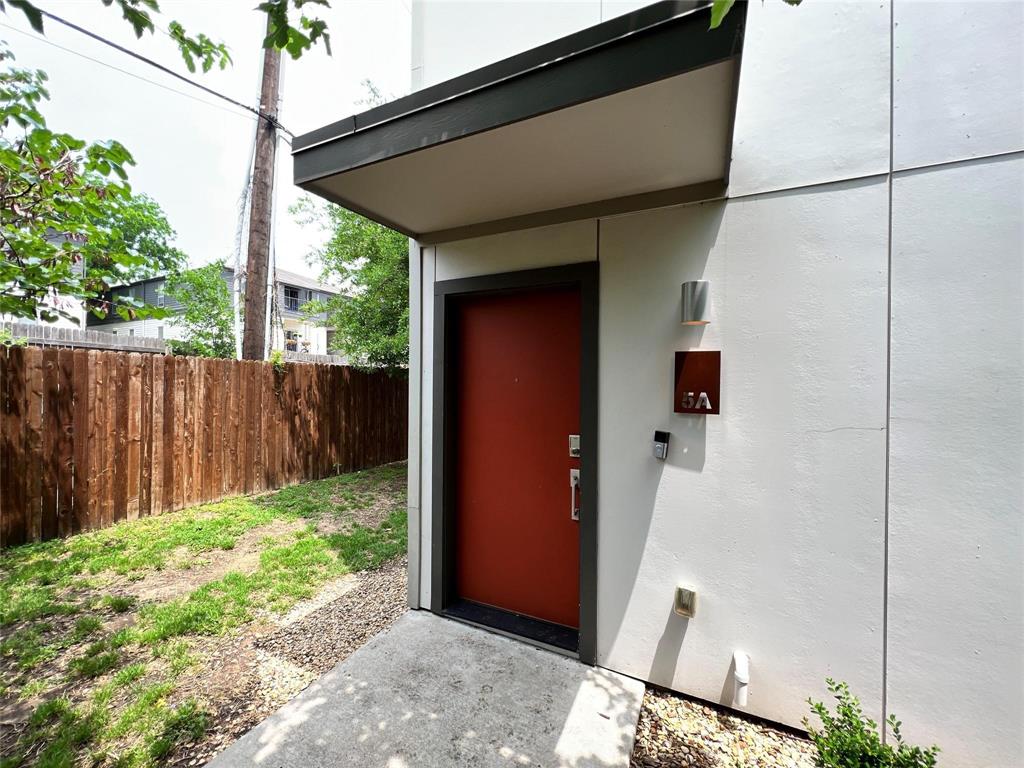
[(326, 636), (674, 732)]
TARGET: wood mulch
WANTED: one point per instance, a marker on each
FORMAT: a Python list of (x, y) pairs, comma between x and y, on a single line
[(676, 732)]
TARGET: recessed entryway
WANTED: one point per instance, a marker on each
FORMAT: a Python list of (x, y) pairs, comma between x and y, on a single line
[(515, 455)]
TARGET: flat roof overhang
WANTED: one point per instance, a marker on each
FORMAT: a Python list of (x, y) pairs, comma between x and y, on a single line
[(634, 113)]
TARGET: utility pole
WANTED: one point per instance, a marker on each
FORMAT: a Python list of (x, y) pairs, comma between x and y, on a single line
[(261, 209)]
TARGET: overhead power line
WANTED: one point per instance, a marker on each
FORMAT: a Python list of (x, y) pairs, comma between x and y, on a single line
[(269, 118), (108, 65)]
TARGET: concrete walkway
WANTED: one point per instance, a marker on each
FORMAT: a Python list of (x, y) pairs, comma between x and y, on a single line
[(433, 692)]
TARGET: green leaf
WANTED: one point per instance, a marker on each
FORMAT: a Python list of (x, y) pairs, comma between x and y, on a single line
[(33, 14), (719, 9)]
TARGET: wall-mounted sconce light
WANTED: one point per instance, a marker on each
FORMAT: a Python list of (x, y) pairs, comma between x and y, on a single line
[(697, 302)]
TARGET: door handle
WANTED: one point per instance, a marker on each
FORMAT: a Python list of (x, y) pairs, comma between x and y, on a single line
[(574, 487)]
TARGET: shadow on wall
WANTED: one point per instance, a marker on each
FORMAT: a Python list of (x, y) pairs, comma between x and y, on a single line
[(728, 685), (431, 691), (646, 337), (666, 655), (688, 447)]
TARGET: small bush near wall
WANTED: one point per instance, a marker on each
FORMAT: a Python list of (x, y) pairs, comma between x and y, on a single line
[(848, 739)]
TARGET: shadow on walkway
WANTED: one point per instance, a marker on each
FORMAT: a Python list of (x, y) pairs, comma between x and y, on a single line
[(433, 692)]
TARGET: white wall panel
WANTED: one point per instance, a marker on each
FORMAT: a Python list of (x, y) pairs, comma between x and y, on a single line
[(452, 37), (958, 90), (814, 95), (773, 509), (956, 584), (512, 251)]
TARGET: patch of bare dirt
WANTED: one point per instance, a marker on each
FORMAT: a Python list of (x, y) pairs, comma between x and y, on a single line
[(166, 584), (175, 580), (244, 679), (54, 671), (366, 507)]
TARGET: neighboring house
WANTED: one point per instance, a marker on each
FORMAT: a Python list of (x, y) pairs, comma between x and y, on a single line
[(70, 305), (844, 494), (291, 330)]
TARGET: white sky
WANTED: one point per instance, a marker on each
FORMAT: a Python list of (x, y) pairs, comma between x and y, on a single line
[(191, 156)]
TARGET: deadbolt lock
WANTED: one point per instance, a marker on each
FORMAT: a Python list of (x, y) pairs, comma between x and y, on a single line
[(574, 446)]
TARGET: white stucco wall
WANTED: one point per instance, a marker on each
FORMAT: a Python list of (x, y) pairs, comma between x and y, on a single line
[(774, 509), (857, 510), (813, 103), (959, 80), (956, 529)]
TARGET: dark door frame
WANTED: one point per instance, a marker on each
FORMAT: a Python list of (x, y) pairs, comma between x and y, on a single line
[(584, 275)]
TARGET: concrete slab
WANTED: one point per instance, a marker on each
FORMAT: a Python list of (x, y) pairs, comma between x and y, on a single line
[(433, 692)]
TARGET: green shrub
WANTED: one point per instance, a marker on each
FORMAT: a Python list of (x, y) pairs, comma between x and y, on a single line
[(848, 739), (276, 359)]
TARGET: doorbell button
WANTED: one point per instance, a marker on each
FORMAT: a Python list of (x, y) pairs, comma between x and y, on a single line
[(661, 444)]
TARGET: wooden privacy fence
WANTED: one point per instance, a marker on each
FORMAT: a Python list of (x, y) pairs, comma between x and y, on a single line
[(89, 438)]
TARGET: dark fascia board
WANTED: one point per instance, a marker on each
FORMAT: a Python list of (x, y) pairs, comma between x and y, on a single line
[(501, 70), (651, 44), (692, 193)]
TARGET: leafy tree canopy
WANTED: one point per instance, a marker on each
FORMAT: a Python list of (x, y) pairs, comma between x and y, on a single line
[(207, 322), (69, 226), (139, 226), (58, 197), (372, 263)]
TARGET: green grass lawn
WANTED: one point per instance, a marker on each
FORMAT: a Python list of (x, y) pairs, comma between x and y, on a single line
[(104, 664)]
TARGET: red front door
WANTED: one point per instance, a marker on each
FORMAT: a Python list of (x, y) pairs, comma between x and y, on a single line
[(517, 402)]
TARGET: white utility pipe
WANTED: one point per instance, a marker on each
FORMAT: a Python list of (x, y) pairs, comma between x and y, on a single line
[(741, 678)]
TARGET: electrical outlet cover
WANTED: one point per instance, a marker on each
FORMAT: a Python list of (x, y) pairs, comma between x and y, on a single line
[(686, 602)]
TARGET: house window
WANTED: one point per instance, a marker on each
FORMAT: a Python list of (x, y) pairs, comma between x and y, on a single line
[(291, 298), (291, 340)]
